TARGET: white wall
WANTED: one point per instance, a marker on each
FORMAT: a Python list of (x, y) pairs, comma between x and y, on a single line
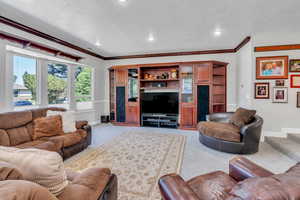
[(98, 89), (279, 119), (231, 72)]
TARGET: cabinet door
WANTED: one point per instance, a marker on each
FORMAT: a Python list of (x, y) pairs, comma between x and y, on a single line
[(121, 75), (132, 114), (187, 117), (203, 73)]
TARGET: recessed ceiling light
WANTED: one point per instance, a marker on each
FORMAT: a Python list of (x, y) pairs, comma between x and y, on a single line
[(218, 32), (122, 1), (98, 44), (151, 38)]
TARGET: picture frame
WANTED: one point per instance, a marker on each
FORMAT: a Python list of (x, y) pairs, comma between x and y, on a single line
[(274, 67), (298, 99), (280, 83), (294, 65), (295, 81), (262, 90), (280, 94)]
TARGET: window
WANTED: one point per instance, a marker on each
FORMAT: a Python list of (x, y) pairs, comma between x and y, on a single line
[(25, 81), (83, 87), (58, 84)]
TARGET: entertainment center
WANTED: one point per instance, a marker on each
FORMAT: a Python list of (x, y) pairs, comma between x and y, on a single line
[(167, 94)]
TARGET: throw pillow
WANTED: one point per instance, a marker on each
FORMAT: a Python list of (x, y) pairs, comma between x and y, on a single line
[(47, 127), (45, 168), (242, 117), (68, 120), (9, 172)]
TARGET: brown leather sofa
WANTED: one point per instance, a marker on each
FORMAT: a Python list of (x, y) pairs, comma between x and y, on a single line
[(16, 130), (219, 134), (92, 184), (245, 181)]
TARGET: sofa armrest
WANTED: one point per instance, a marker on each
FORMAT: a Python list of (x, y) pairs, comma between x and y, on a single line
[(173, 187), (81, 124), (219, 117), (9, 172), (241, 168)]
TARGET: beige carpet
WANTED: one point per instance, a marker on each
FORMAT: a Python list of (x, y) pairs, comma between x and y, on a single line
[(138, 159)]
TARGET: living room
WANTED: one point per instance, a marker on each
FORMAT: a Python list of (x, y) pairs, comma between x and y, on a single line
[(126, 99)]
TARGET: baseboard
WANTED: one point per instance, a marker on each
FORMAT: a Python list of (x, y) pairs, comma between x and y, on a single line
[(282, 134)]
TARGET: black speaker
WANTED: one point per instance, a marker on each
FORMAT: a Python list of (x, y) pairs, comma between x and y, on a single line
[(112, 116), (104, 118), (120, 101), (203, 102)]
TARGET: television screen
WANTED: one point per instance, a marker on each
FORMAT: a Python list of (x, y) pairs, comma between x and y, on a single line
[(160, 102)]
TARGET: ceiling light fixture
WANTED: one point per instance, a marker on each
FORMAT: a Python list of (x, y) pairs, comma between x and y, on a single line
[(98, 44), (217, 32), (122, 1), (151, 38)]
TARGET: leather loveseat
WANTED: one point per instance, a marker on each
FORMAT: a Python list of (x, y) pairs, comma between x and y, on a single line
[(245, 181), (219, 134), (16, 130), (92, 184)]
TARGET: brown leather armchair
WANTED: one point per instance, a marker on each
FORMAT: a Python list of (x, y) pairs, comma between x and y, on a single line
[(245, 180)]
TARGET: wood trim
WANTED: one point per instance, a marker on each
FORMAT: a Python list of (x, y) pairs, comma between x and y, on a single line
[(171, 54), (28, 43), (30, 30), (287, 47), (243, 43), (46, 36)]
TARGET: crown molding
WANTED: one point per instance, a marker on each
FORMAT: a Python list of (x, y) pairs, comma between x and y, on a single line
[(46, 36), (287, 47)]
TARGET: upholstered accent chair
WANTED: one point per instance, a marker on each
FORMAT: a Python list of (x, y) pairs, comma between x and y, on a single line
[(245, 180), (219, 134)]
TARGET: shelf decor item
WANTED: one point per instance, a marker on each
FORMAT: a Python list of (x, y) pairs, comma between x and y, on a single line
[(275, 67), (262, 91), (295, 81), (298, 99), (295, 65), (280, 95)]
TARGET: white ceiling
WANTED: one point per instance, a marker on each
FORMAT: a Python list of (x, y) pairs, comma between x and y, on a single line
[(177, 25)]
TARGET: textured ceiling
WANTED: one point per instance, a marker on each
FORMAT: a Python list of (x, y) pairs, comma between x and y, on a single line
[(177, 25)]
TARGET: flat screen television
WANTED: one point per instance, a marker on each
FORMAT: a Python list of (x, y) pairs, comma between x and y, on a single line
[(160, 102)]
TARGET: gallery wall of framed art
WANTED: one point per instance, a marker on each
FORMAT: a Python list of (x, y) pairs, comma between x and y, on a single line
[(275, 71)]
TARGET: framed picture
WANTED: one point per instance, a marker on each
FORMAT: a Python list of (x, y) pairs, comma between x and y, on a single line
[(295, 65), (280, 95), (280, 83), (295, 81), (298, 99), (275, 67), (262, 91)]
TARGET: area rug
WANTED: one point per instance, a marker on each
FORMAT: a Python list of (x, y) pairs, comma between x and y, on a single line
[(139, 159)]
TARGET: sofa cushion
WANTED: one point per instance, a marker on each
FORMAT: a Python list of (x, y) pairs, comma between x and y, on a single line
[(68, 119), (69, 139), (223, 131), (23, 190), (242, 116), (18, 135), (4, 139), (47, 126), (87, 185), (212, 186), (43, 167), (15, 119), (9, 172), (43, 145), (260, 188)]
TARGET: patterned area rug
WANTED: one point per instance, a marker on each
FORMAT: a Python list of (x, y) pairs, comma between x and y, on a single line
[(138, 159)]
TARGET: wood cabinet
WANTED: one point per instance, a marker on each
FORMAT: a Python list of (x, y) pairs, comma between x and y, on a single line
[(201, 87)]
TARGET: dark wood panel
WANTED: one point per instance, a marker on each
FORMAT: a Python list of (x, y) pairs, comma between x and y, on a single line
[(133, 114), (203, 74), (277, 48)]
